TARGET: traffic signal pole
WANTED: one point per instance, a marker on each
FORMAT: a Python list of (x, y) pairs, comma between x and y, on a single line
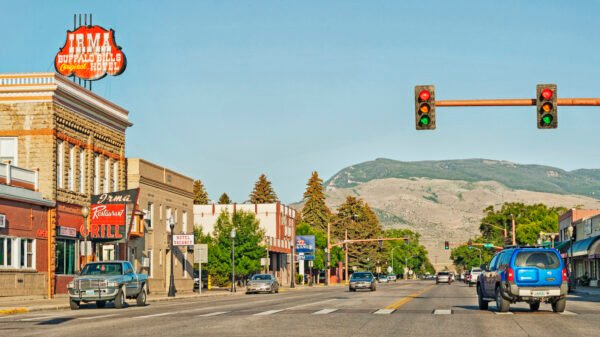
[(515, 102)]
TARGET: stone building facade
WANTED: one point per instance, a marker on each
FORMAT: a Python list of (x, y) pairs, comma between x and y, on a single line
[(75, 139), (163, 193)]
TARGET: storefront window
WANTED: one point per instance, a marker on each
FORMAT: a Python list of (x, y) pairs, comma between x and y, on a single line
[(65, 256)]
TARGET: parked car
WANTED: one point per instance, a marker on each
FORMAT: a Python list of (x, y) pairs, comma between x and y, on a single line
[(382, 278), (475, 272), (262, 283), (362, 280), (467, 276), (443, 277), (103, 282), (532, 275), (198, 281), (392, 277)]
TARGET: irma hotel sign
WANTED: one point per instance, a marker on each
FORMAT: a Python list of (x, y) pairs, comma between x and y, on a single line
[(90, 53), (111, 215)]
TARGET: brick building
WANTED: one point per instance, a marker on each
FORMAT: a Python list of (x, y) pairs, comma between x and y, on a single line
[(23, 233), (277, 220), (75, 139), (163, 193)]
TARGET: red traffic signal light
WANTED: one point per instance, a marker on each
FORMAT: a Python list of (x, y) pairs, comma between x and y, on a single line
[(547, 114), (425, 107)]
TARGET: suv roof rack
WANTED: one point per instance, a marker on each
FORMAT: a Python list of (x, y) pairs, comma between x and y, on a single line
[(511, 246)]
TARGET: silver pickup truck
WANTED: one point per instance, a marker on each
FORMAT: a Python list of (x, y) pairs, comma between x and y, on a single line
[(107, 281)]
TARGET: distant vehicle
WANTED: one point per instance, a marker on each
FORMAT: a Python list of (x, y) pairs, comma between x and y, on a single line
[(532, 275), (467, 276), (362, 280), (262, 283), (322, 277), (475, 272), (197, 280), (382, 278), (443, 277), (392, 277), (111, 281)]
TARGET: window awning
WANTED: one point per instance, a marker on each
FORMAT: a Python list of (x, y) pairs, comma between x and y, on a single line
[(562, 246), (582, 247)]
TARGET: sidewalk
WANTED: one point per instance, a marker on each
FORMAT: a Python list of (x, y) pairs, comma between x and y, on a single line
[(586, 291), (23, 304)]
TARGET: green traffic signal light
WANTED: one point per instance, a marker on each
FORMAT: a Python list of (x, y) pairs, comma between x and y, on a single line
[(547, 120), (425, 120)]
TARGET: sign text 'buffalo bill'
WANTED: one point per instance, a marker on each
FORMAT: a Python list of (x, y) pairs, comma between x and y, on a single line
[(90, 52)]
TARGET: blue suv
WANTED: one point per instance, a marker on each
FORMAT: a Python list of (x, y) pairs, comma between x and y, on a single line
[(524, 274)]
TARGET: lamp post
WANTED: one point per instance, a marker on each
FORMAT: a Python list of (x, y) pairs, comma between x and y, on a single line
[(232, 234), (327, 266), (172, 289), (293, 281), (571, 234), (85, 211), (328, 254)]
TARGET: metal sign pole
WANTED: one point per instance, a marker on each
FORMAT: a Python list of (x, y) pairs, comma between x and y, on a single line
[(200, 278)]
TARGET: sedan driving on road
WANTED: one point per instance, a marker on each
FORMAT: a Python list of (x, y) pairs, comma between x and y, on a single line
[(443, 277), (262, 283), (362, 280)]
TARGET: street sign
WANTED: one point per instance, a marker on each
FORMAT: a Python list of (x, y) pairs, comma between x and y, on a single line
[(389, 269), (306, 257), (183, 239), (201, 253), (488, 245), (264, 261)]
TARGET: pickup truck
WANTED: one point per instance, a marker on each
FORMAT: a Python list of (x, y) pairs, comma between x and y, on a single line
[(107, 281)]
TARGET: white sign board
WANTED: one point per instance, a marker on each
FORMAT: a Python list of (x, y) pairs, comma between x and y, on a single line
[(183, 239), (201, 253), (389, 269), (264, 261)]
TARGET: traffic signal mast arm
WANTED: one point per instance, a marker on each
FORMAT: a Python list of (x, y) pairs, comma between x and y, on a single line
[(367, 240), (516, 102), (478, 244)]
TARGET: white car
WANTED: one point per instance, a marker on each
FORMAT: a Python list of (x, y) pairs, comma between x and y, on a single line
[(382, 278), (391, 277), (475, 272)]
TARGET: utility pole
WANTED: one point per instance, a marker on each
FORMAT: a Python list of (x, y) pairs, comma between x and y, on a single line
[(346, 246), (328, 252), (514, 238)]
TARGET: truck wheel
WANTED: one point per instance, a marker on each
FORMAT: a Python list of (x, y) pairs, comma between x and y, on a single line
[(501, 303), (534, 306), (75, 304), (100, 304), (120, 299), (559, 305), (483, 305), (141, 297)]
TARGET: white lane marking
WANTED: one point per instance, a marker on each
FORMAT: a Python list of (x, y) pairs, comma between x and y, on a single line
[(39, 318), (213, 314), (158, 315), (569, 313), (269, 312), (384, 311), (324, 311), (95, 317), (312, 303), (503, 313), (442, 312)]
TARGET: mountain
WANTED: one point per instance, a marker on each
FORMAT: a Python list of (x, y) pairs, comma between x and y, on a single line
[(444, 200)]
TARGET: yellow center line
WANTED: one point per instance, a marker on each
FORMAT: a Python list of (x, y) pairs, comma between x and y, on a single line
[(407, 299)]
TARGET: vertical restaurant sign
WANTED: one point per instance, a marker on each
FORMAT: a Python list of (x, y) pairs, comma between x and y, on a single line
[(109, 215), (90, 53)]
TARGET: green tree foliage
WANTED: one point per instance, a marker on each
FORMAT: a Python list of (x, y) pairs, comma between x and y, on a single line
[(529, 220), (465, 258), (361, 222), (249, 248), (224, 199), (315, 212), (200, 195), (407, 253), (263, 192)]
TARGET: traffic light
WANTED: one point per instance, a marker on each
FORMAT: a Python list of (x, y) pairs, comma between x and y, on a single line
[(380, 244), (425, 107), (446, 245), (547, 114), (470, 244)]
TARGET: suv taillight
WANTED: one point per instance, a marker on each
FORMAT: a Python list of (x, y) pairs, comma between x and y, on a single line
[(510, 275), (564, 274)]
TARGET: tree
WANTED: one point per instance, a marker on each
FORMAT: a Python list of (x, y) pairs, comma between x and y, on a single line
[(408, 253), (224, 199), (263, 192), (249, 248), (315, 212), (200, 195), (355, 216)]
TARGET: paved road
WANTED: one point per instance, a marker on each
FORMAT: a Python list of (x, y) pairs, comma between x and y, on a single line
[(413, 308)]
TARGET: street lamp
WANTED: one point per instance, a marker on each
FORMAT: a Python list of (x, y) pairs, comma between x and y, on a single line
[(232, 234), (571, 234), (172, 290), (293, 281), (327, 266), (85, 211)]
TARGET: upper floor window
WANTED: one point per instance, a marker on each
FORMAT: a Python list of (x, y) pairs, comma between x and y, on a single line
[(8, 150), (149, 214), (82, 174), (59, 164), (106, 174), (71, 171), (96, 173), (184, 221), (115, 176)]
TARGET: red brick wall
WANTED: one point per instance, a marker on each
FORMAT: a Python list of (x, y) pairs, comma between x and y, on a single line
[(60, 282)]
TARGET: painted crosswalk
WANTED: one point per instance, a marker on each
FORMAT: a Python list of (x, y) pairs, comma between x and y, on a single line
[(442, 312), (213, 314), (268, 312), (324, 311), (384, 311)]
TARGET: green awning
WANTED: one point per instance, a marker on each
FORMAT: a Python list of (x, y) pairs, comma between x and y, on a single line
[(582, 247), (562, 246)]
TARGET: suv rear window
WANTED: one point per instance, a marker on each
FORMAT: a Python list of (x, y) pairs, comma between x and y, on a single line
[(542, 260)]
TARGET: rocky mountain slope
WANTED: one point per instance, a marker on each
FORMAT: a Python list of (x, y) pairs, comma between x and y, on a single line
[(444, 200)]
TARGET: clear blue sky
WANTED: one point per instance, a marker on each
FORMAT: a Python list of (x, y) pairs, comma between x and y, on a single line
[(226, 90)]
